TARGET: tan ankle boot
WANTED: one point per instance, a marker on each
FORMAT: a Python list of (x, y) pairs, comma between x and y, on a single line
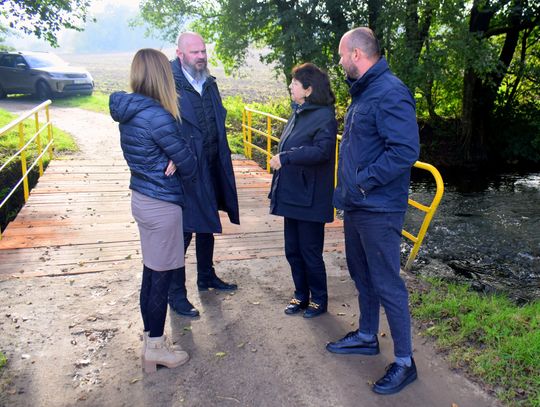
[(144, 338), (157, 353)]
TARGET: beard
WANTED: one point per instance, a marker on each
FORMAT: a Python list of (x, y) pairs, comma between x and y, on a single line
[(196, 73), (352, 72)]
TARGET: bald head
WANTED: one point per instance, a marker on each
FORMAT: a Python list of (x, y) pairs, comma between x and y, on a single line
[(187, 38), (358, 51), (191, 52), (364, 39)]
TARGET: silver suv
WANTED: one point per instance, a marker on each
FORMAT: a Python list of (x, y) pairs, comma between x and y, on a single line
[(42, 74)]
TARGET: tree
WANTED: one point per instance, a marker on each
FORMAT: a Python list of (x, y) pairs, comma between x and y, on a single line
[(45, 18), (463, 60), (489, 20)]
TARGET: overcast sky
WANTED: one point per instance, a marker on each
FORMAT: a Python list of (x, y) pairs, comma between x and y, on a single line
[(97, 36)]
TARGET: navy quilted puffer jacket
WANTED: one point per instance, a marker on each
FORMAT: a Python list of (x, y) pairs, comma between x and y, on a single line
[(150, 136)]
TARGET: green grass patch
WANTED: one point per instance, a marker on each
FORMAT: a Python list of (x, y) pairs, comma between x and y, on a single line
[(235, 107), (97, 102), (3, 360), (9, 142), (494, 339)]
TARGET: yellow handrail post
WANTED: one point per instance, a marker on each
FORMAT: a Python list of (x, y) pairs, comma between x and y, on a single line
[(430, 211), (336, 166), (250, 118), (17, 125), (23, 163), (49, 132), (268, 142), (244, 133), (38, 142)]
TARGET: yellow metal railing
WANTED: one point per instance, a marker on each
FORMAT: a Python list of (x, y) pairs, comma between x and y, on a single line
[(24, 146), (248, 130)]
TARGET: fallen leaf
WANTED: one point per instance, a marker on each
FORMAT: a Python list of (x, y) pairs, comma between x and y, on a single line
[(221, 354), (241, 345), (256, 302), (341, 314), (187, 328), (132, 381)]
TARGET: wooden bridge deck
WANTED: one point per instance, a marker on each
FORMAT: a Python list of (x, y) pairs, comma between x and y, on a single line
[(78, 220)]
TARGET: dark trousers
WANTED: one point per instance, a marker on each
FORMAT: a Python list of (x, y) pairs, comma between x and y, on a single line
[(153, 299), (304, 242), (204, 251), (372, 245)]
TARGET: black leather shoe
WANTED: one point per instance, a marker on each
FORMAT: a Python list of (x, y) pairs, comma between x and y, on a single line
[(314, 310), (217, 284), (184, 307), (351, 343), (395, 378), (295, 306)]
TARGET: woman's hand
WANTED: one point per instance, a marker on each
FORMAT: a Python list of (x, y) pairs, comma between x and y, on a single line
[(275, 162), (171, 169)]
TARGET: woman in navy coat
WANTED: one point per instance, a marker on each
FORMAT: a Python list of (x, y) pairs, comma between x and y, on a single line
[(303, 184), (159, 159)]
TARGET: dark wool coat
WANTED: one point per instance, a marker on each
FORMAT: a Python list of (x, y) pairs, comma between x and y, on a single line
[(380, 144), (150, 136), (302, 188), (206, 195)]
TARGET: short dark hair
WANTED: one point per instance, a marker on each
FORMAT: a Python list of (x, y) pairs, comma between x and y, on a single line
[(309, 74)]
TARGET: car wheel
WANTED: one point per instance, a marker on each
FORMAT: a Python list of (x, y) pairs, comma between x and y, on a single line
[(3, 93), (43, 91)]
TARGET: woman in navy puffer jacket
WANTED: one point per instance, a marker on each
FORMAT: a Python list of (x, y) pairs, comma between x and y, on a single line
[(158, 157), (303, 184)]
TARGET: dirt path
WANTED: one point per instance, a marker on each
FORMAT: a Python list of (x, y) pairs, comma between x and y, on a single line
[(75, 340)]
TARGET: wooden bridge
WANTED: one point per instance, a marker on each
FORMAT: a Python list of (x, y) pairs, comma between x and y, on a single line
[(78, 220), (75, 340)]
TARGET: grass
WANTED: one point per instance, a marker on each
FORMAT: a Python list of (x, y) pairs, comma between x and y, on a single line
[(3, 360), (97, 102), (9, 142), (489, 336), (235, 106)]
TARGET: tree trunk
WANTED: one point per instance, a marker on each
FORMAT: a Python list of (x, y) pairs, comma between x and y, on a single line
[(479, 95)]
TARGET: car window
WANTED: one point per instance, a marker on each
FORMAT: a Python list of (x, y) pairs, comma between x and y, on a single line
[(7, 61), (45, 60), (19, 60)]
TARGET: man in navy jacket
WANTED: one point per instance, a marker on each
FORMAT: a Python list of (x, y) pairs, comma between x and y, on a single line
[(379, 146), (203, 124)]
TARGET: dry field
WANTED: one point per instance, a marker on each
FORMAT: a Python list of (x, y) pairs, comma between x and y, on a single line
[(255, 82)]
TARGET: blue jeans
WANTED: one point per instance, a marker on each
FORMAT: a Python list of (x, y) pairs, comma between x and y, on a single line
[(372, 245), (304, 242)]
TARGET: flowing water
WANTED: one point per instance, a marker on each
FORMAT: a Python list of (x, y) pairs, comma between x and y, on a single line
[(491, 222)]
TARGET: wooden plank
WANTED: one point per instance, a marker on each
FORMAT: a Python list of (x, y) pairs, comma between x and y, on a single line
[(78, 220)]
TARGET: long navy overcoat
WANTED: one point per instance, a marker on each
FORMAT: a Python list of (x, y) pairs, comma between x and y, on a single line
[(202, 200)]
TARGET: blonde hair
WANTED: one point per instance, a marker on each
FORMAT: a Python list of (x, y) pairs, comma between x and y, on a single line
[(151, 75)]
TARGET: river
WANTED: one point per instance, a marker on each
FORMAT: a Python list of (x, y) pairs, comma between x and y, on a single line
[(492, 222)]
